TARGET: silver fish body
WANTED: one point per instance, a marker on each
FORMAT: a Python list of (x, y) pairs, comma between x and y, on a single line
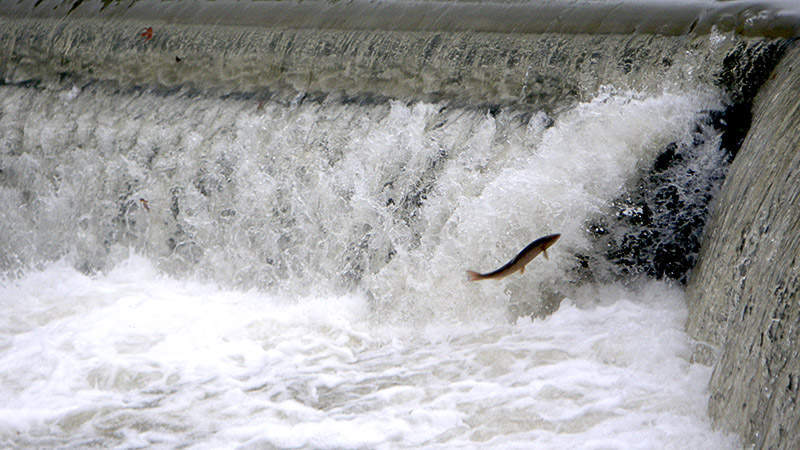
[(518, 262)]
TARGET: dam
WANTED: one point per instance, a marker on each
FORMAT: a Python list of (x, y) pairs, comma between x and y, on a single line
[(246, 224)]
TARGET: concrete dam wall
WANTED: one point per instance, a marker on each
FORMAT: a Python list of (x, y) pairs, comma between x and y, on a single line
[(745, 291)]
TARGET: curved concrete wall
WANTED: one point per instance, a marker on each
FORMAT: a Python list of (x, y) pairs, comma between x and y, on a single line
[(769, 18), (745, 291)]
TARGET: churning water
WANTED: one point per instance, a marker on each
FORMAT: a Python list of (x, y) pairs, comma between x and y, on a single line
[(239, 267), (183, 270), (134, 359)]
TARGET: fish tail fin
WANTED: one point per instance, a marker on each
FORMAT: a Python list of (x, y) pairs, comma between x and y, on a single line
[(473, 276)]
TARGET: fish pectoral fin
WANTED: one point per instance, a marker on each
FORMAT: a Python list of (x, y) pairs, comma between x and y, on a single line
[(522, 270), (544, 252)]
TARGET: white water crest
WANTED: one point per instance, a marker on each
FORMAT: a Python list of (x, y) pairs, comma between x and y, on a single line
[(501, 192), (133, 359), (189, 271)]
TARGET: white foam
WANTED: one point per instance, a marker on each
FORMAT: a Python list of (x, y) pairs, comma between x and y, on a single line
[(139, 359), (494, 198), (299, 202)]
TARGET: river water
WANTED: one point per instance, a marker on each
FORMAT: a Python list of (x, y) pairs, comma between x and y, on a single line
[(206, 268), (135, 359), (297, 277)]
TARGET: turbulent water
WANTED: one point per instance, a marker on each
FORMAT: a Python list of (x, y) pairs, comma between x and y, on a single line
[(228, 267), (336, 236), (134, 359)]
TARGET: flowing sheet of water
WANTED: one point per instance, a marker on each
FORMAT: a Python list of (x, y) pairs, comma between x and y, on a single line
[(183, 270)]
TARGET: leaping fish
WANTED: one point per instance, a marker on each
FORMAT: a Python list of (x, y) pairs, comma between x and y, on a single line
[(518, 262)]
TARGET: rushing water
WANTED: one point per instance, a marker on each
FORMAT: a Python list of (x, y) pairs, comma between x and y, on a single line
[(134, 359), (295, 275), (228, 264)]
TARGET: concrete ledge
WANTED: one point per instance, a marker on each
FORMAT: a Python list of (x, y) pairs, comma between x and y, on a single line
[(775, 18)]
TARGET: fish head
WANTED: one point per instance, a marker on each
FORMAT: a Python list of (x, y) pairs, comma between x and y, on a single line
[(550, 240)]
